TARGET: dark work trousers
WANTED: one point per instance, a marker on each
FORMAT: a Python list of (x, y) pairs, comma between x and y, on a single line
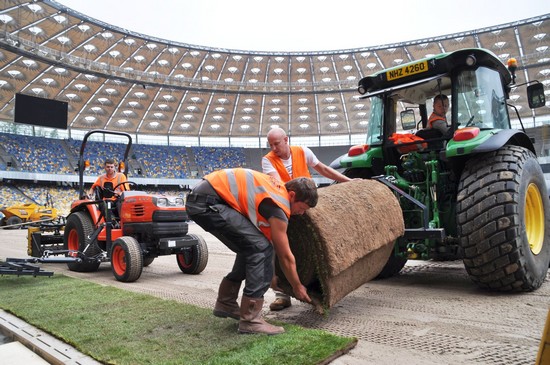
[(254, 261)]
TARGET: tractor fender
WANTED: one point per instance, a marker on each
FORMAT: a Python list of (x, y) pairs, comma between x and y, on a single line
[(504, 137), (335, 164), (86, 206)]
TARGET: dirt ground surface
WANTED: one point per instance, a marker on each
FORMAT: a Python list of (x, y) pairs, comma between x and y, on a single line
[(431, 313)]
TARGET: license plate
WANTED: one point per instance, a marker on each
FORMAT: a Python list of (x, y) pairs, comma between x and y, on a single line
[(408, 70)]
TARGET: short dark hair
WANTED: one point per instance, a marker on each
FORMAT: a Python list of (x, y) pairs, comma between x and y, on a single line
[(441, 97), (305, 189), (110, 161)]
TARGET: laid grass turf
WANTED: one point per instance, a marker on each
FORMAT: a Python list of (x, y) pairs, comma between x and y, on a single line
[(115, 326)]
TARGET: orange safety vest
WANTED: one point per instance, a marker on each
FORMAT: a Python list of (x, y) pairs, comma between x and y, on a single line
[(115, 180), (299, 164), (434, 118), (245, 189)]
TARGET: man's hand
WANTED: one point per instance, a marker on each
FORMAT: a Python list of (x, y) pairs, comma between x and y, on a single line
[(286, 258), (300, 292)]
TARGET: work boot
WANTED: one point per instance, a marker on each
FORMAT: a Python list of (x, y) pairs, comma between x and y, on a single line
[(226, 304), (280, 303), (251, 318)]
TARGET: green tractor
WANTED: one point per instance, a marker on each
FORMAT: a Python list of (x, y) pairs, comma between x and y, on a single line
[(475, 192)]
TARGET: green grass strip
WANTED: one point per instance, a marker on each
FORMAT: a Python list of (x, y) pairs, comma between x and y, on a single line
[(115, 326)]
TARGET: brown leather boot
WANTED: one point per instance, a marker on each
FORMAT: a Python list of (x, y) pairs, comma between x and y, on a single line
[(226, 304), (251, 318)]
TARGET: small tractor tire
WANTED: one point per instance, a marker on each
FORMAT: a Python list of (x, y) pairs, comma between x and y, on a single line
[(12, 221), (195, 260), (126, 259), (148, 261), (392, 267), (76, 235), (503, 218)]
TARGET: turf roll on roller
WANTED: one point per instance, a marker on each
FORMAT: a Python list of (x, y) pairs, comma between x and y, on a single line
[(344, 241)]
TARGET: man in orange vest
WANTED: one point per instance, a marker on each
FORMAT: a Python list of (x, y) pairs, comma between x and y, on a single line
[(286, 162), (111, 176), (249, 211), (438, 118)]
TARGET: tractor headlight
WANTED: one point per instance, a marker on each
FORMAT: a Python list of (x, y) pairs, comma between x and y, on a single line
[(169, 201), (161, 202)]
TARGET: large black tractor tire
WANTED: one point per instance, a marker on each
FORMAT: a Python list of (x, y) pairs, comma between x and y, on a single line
[(503, 217), (76, 235), (194, 261), (12, 221), (126, 259)]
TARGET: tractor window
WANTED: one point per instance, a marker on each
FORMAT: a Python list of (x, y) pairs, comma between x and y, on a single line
[(374, 130), (481, 100)]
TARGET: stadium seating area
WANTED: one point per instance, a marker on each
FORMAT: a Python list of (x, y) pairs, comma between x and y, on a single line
[(214, 158), (163, 161), (35, 154), (46, 155), (96, 153), (55, 156)]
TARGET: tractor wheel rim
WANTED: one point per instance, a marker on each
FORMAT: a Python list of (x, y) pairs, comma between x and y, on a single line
[(183, 262), (534, 219), (118, 260), (72, 241)]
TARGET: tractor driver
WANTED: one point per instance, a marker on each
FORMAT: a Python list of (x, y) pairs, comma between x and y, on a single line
[(112, 177), (438, 119)]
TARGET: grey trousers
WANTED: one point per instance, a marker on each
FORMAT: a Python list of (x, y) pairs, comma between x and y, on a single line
[(254, 261)]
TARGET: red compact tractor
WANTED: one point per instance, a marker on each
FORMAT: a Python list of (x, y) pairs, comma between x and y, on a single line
[(129, 229)]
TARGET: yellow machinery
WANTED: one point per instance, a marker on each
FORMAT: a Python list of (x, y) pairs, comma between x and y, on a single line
[(18, 214)]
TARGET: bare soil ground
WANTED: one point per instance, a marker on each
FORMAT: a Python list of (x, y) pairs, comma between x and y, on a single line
[(431, 313)]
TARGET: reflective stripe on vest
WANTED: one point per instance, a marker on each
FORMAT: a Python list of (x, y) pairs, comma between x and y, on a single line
[(245, 189)]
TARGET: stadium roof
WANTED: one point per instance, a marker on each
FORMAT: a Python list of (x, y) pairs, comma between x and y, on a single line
[(120, 80)]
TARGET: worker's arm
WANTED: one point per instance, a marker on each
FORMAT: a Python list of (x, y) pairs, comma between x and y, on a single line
[(330, 173), (441, 126), (286, 258), (91, 191)]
